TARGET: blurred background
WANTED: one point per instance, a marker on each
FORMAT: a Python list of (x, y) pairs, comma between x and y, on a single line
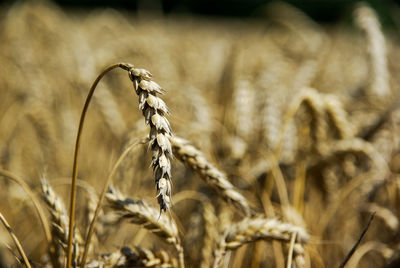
[(323, 11), (296, 101)]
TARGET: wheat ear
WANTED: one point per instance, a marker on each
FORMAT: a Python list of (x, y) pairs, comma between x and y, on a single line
[(249, 230), (368, 21), (195, 160), (314, 101), (154, 110), (334, 108), (135, 257), (138, 212), (59, 221)]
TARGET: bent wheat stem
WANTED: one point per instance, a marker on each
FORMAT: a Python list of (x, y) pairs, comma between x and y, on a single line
[(153, 109), (76, 155)]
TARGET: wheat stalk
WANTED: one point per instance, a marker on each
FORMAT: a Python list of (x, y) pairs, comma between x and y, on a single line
[(195, 160), (16, 241), (249, 230), (76, 158), (153, 109)]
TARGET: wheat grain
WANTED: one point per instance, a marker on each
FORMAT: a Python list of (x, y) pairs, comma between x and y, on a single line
[(314, 101)]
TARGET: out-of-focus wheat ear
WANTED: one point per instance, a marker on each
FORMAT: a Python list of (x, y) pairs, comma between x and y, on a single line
[(38, 207), (110, 112), (367, 20), (91, 206), (249, 230), (138, 212), (363, 183), (387, 216), (334, 108), (59, 221), (41, 123), (211, 232), (358, 146), (195, 160), (202, 124), (389, 254), (270, 112), (314, 101), (154, 111), (16, 241), (244, 99), (135, 257)]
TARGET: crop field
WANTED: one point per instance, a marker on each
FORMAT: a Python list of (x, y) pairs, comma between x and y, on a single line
[(181, 141)]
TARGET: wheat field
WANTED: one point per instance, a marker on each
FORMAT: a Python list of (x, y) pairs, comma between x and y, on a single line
[(269, 142)]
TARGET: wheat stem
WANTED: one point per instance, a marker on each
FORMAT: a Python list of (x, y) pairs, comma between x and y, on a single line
[(76, 155), (16, 241), (291, 248)]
